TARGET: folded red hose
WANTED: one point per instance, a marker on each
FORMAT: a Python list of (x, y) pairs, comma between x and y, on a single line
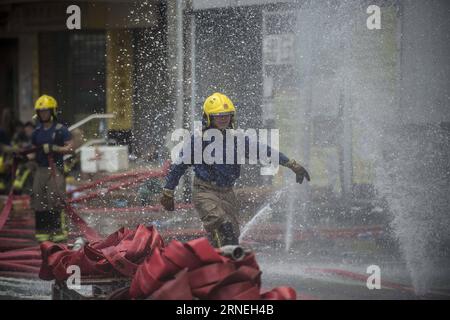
[(188, 270), (118, 254)]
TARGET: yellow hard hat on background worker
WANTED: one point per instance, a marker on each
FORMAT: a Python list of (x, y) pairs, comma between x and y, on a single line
[(45, 102), (218, 104)]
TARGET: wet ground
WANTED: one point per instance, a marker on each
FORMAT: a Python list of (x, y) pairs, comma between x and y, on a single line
[(317, 266), (26, 289), (344, 278), (314, 275)]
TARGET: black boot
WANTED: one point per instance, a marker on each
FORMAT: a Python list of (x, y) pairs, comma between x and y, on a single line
[(42, 232), (224, 235), (58, 232)]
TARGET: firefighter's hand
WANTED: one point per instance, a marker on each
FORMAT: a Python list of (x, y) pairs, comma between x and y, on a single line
[(300, 172), (48, 148), (166, 200)]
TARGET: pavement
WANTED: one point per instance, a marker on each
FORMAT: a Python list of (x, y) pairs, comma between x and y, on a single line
[(336, 277), (315, 276)]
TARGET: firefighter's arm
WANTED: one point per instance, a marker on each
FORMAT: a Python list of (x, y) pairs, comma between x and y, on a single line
[(300, 171), (66, 149), (176, 171), (167, 196)]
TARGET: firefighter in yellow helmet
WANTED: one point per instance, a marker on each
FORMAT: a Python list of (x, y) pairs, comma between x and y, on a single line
[(5, 150), (219, 107), (53, 140), (213, 195)]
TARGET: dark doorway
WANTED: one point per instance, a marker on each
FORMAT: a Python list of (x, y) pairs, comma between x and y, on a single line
[(8, 80), (72, 68)]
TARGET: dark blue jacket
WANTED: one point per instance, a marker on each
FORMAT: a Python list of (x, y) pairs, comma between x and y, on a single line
[(57, 134), (223, 175)]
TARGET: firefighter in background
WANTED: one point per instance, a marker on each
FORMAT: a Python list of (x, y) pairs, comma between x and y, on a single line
[(213, 195), (23, 182), (52, 140), (5, 150), (28, 130), (9, 148)]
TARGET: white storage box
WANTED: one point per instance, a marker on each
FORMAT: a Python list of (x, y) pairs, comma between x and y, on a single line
[(89, 163), (104, 158)]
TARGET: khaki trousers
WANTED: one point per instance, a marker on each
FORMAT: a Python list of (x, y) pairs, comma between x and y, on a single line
[(215, 206), (49, 192)]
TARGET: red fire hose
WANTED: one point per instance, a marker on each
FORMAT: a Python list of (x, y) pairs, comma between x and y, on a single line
[(13, 266), (179, 271), (25, 261), (180, 206), (119, 176), (98, 182), (117, 186), (9, 201)]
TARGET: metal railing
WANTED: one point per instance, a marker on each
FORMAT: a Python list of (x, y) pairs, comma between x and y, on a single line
[(102, 116)]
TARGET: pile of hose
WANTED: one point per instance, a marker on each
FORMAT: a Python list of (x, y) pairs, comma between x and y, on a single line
[(191, 270)]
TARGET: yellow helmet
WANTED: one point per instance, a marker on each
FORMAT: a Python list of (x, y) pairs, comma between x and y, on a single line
[(45, 102), (218, 104)]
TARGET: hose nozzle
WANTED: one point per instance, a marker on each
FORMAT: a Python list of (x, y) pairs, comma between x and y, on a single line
[(234, 252)]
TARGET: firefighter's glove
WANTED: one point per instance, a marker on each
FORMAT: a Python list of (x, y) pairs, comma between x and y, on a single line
[(300, 172), (48, 148), (166, 200)]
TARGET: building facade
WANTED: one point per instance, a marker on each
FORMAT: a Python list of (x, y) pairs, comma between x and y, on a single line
[(315, 71)]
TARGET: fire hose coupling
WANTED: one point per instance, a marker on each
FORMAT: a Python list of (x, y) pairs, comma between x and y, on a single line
[(79, 243), (237, 253)]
